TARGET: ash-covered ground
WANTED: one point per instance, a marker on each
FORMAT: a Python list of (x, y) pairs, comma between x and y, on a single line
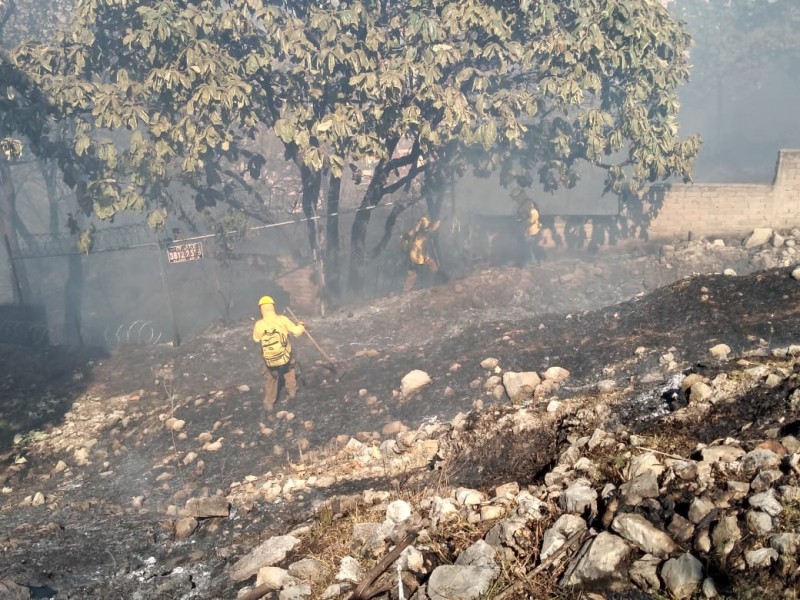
[(100, 452)]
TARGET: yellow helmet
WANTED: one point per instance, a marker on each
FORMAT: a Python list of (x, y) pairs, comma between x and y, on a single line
[(424, 222), (266, 300)]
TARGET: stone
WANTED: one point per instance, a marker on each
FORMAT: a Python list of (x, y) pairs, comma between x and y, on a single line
[(720, 351), (644, 573), (604, 560), (336, 591), (699, 508), (185, 527), (489, 363), (766, 502), (639, 488), (579, 498), (680, 528), (566, 526), (723, 453), (738, 489), (729, 272), (398, 511), (38, 499), (645, 463), (203, 508), (11, 590), (796, 273), (764, 480), (266, 554), (492, 382), (725, 535), (413, 560), (557, 374), (469, 497), (350, 571), (700, 392), (682, 576), (759, 460), (510, 489), (761, 558), (786, 544), (307, 569), (491, 512), (759, 237), (393, 428), (273, 577), (643, 534), (758, 523), (514, 382), (480, 554), (413, 382), (457, 582), (690, 380), (606, 385), (300, 591), (709, 589)]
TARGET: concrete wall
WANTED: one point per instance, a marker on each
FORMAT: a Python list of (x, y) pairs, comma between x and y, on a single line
[(726, 209)]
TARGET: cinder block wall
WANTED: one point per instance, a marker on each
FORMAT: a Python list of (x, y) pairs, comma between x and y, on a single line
[(728, 209)]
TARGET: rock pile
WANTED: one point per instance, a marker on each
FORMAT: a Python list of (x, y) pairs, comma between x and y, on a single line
[(611, 513)]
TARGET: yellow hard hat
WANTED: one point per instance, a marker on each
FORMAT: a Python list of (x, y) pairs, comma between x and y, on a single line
[(266, 300), (424, 222)]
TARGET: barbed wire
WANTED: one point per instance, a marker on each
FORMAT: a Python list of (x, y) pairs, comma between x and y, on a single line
[(23, 333), (137, 333)]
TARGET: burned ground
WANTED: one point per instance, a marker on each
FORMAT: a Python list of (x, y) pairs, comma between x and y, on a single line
[(99, 530)]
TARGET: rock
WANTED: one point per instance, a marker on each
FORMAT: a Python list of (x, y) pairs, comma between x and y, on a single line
[(492, 382), (758, 460), (413, 560), (643, 534), (682, 575), (761, 558), (185, 527), (764, 480), (644, 573), (759, 237), (489, 363), (413, 382), (604, 560), (350, 571), (203, 508), (507, 489), (38, 499), (796, 274), (456, 582), (81, 456), (645, 463), (307, 569), (579, 498), (766, 502), (504, 534), (301, 591), (60, 466), (566, 526), (639, 488), (553, 406), (469, 497), (557, 374), (724, 453), (11, 590), (729, 272), (700, 392), (720, 351), (606, 385), (491, 512), (336, 591), (393, 428), (699, 508), (680, 528), (690, 380), (709, 589), (266, 554), (480, 554), (725, 535), (758, 523), (786, 544), (398, 511), (514, 382), (274, 577)]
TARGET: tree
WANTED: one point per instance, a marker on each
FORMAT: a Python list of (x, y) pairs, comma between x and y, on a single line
[(175, 95)]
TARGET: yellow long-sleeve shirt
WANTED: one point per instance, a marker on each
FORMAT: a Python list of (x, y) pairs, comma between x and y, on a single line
[(270, 322)]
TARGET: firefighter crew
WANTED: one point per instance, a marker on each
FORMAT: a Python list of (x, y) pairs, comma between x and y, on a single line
[(272, 332), (417, 242)]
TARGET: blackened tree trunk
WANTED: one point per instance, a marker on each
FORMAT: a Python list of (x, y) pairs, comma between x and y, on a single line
[(358, 237), (73, 301), (8, 231), (332, 256)]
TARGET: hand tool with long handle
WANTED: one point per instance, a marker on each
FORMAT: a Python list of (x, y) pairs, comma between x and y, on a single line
[(313, 341)]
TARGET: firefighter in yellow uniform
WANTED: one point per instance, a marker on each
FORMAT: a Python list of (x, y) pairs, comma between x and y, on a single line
[(416, 242), (528, 215), (272, 332)]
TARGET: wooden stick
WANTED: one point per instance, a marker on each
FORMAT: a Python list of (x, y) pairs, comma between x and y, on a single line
[(676, 457), (385, 563), (257, 593), (313, 341)]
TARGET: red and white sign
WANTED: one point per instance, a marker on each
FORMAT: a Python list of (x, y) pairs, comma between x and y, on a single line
[(184, 252)]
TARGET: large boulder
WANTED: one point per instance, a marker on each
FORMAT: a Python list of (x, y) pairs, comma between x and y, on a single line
[(682, 575), (266, 554), (515, 382), (603, 561)]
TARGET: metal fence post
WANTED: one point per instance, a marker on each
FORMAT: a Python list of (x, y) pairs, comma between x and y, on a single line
[(176, 336), (18, 299)]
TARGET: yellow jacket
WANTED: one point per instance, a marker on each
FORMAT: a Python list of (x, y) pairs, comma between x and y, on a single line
[(416, 240), (534, 226), (271, 321)]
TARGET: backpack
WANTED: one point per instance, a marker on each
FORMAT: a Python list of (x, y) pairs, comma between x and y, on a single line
[(275, 348)]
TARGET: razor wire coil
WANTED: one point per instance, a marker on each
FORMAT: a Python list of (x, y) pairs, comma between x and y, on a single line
[(23, 333), (136, 333)]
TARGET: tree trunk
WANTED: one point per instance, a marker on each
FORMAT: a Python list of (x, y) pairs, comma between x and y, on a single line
[(73, 301), (358, 237), (8, 217), (312, 182), (332, 257)]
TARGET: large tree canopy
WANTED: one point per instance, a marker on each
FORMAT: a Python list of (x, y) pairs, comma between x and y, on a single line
[(175, 90)]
